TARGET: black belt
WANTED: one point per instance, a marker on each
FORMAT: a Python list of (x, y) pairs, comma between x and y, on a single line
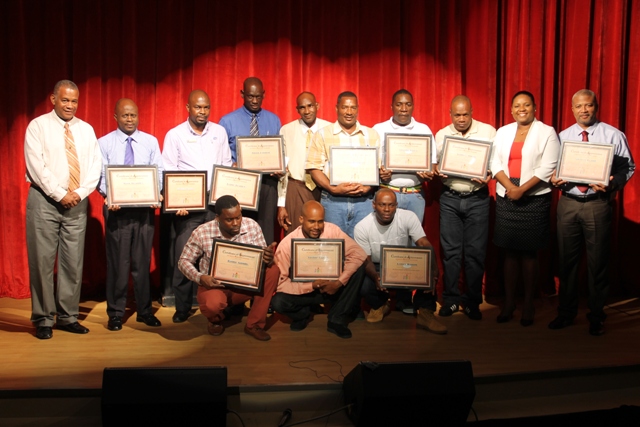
[(588, 197), (464, 195)]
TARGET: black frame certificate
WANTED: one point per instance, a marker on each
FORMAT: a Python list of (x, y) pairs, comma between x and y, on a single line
[(237, 265), (465, 158), (407, 153), (354, 164), (242, 184), (261, 153), (406, 268), (321, 259), (585, 162), (185, 190), (132, 186)]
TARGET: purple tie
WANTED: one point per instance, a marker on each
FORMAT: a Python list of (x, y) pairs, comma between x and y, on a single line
[(128, 153)]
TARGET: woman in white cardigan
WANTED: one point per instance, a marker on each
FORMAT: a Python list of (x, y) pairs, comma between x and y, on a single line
[(525, 155)]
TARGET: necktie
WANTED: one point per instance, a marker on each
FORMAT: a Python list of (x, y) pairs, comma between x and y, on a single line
[(72, 159), (253, 128), (128, 153), (585, 137), (307, 178)]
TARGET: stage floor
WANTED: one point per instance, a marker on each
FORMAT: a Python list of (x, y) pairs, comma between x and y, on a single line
[(312, 357)]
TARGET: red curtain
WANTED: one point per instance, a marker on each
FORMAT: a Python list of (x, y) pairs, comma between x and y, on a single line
[(156, 52)]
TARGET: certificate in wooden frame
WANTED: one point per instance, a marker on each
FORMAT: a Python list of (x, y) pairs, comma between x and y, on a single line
[(321, 259), (237, 265), (354, 164), (407, 153), (465, 158), (585, 162), (406, 268), (132, 186), (242, 184), (184, 190), (261, 153)]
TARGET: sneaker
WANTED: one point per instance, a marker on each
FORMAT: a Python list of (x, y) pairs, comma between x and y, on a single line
[(375, 316), (338, 329), (448, 311), (409, 310), (215, 329), (427, 319), (472, 313)]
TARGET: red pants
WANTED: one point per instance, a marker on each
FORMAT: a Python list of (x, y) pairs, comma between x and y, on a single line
[(213, 301)]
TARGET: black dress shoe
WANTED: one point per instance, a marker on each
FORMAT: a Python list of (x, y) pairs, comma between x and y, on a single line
[(148, 319), (114, 323), (180, 316), (299, 325), (44, 332), (596, 328), (340, 330), (74, 328), (560, 322), (526, 322)]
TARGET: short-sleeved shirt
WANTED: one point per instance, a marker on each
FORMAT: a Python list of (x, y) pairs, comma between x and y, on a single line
[(403, 230)]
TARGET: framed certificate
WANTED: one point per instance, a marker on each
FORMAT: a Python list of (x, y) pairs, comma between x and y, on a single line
[(354, 164), (465, 158), (407, 153), (185, 190), (585, 162), (316, 259), (261, 153), (242, 184), (237, 265), (132, 186), (405, 268)]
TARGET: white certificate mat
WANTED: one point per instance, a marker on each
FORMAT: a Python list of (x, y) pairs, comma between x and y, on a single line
[(354, 164), (585, 162), (132, 186)]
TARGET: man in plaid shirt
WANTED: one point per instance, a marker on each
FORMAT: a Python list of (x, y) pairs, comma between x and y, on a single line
[(213, 297)]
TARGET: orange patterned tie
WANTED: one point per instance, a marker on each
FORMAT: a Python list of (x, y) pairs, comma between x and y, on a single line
[(308, 181), (72, 159)]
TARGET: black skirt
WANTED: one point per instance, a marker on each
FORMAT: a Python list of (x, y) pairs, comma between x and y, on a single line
[(522, 224)]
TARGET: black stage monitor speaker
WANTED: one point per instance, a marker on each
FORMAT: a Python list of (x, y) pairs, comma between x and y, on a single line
[(164, 396), (410, 394)]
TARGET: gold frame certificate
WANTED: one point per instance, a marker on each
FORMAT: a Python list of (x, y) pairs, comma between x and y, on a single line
[(261, 153), (132, 186), (242, 184), (237, 265), (407, 153), (585, 162), (465, 158), (316, 259), (185, 190), (354, 164), (406, 268)]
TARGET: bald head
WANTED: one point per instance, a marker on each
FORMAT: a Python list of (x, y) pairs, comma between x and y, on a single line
[(385, 204), (199, 108), (312, 219), (461, 113), (252, 93), (307, 107), (126, 115)]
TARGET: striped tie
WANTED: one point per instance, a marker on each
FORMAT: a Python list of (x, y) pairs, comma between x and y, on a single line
[(253, 128), (72, 159)]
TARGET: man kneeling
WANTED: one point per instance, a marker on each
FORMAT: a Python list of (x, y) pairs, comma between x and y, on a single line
[(294, 299), (213, 297), (388, 225)]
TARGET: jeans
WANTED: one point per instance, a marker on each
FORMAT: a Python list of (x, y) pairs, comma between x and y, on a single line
[(464, 231), (413, 202), (346, 212)]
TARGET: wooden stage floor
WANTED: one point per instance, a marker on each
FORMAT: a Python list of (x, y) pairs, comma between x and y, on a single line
[(311, 357)]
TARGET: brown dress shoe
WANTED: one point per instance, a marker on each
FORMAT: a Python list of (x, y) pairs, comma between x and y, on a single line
[(215, 329), (257, 332)]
